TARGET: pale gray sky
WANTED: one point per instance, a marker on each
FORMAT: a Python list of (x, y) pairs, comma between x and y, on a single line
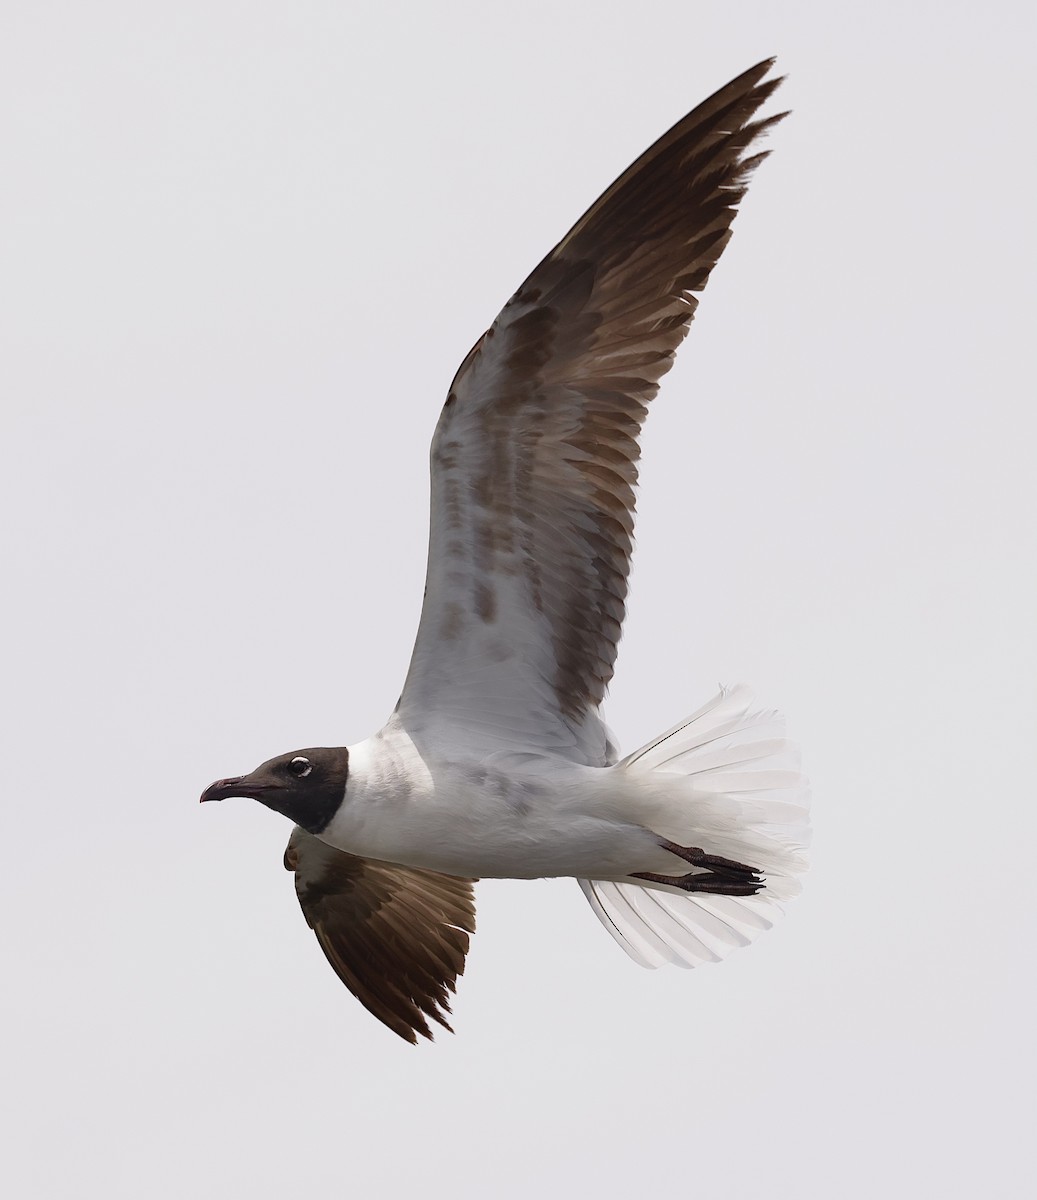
[(243, 247)]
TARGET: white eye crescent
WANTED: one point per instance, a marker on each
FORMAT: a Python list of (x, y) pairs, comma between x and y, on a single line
[(300, 766)]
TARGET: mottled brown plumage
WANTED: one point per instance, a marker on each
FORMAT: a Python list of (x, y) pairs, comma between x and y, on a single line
[(396, 936), (534, 460)]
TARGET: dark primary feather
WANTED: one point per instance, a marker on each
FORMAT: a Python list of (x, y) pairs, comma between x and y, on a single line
[(396, 936), (534, 457)]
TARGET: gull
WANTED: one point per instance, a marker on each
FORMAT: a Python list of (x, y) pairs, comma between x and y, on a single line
[(497, 762)]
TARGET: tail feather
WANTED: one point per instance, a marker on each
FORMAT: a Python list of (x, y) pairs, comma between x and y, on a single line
[(746, 800)]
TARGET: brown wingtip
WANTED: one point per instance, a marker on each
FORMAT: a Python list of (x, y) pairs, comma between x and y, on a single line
[(396, 936)]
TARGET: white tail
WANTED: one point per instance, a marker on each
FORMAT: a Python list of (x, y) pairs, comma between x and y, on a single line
[(745, 799)]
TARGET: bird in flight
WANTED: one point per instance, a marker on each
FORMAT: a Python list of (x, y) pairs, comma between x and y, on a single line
[(496, 762)]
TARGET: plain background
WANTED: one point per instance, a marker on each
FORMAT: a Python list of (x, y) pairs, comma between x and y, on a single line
[(244, 247)]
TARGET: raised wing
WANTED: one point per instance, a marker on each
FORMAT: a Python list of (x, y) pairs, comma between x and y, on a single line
[(534, 459), (396, 936)]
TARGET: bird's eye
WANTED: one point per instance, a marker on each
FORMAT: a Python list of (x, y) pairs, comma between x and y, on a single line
[(300, 767)]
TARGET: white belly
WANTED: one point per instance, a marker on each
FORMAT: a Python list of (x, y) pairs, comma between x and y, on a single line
[(515, 821)]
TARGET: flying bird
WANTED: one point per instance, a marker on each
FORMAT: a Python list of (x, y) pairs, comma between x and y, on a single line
[(496, 761)]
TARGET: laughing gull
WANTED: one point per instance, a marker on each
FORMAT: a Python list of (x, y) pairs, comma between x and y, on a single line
[(496, 761)]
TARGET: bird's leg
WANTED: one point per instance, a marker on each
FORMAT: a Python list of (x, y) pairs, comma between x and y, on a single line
[(720, 876), (706, 881), (710, 862)]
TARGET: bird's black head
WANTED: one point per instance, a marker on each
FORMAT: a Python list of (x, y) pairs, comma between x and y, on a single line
[(307, 786)]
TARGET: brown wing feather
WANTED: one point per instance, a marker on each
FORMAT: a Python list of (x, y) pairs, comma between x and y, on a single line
[(534, 459), (396, 936)]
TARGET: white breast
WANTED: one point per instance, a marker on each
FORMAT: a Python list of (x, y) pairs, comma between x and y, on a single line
[(518, 816)]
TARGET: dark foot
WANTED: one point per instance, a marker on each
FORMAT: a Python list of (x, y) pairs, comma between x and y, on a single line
[(707, 881), (712, 862)]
